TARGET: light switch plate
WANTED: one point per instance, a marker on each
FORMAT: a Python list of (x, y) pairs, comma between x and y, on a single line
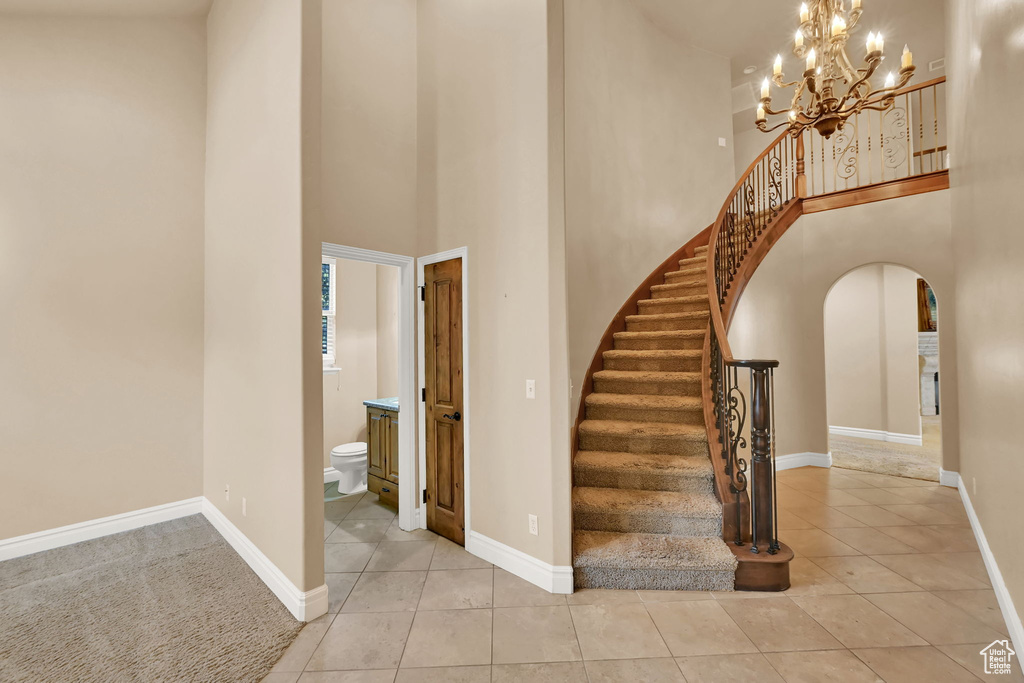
[(721, 142), (531, 388)]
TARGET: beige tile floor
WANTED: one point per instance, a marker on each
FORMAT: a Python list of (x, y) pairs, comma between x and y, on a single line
[(888, 585)]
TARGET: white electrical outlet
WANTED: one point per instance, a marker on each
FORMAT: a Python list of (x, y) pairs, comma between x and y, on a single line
[(243, 506), (531, 388), (533, 524), (227, 492), (721, 142)]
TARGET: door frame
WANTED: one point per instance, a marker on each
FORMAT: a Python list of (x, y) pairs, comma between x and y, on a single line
[(407, 398), (467, 413)]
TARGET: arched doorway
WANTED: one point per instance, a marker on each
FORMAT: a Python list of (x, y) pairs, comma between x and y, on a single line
[(881, 372)]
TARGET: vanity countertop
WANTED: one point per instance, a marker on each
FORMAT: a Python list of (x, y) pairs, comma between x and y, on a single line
[(383, 403)]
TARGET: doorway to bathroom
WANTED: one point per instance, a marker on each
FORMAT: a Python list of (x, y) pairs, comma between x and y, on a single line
[(369, 381)]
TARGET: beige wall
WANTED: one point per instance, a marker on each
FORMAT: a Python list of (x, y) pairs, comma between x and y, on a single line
[(485, 171), (101, 267), (387, 331), (871, 366), (366, 347), (781, 313), (369, 124), (262, 416), (644, 170), (987, 163)]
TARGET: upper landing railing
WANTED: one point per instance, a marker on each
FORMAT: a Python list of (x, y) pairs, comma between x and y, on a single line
[(874, 149)]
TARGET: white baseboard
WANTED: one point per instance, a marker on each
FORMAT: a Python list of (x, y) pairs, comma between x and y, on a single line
[(331, 474), (304, 605), (554, 579), (876, 435), (794, 460), (947, 478), (96, 528), (1010, 615)]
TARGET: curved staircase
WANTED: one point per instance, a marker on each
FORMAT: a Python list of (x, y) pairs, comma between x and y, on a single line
[(674, 450), (644, 506)]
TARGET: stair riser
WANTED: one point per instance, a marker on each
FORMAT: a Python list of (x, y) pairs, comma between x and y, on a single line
[(653, 579), (691, 416), (653, 364), (656, 344), (695, 262), (642, 443), (647, 524), (667, 325), (664, 388), (655, 307), (681, 289), (682, 277), (641, 480)]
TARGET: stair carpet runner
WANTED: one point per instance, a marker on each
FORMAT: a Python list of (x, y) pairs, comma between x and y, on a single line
[(645, 513)]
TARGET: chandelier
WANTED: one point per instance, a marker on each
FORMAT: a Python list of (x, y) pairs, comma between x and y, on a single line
[(818, 98)]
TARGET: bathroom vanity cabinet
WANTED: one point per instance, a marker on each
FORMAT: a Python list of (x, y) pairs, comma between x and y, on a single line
[(382, 452)]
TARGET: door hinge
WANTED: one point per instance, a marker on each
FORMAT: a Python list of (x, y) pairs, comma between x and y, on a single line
[(424, 495), (423, 394), (423, 292)]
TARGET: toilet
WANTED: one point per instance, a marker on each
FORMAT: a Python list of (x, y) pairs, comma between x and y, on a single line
[(349, 459)]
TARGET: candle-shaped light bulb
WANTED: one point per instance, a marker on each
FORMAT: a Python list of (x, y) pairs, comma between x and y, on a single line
[(838, 26), (760, 113), (812, 60), (908, 57), (792, 115), (872, 45), (890, 80), (855, 5), (799, 39), (805, 14), (777, 67), (766, 89), (879, 41)]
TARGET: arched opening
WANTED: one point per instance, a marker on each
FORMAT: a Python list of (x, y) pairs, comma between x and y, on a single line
[(882, 372)]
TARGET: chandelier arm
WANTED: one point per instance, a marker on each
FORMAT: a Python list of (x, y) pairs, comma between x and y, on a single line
[(764, 129), (856, 85)]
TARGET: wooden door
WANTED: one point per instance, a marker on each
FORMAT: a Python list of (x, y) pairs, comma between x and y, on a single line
[(391, 461), (375, 444), (444, 407)]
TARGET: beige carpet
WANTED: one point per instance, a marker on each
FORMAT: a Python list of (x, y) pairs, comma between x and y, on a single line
[(645, 514), (169, 602), (899, 460)]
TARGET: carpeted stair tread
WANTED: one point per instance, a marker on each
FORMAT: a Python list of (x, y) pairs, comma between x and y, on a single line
[(651, 504), (609, 549), (644, 471), (674, 304), (695, 262), (660, 339), (644, 402), (676, 289), (653, 383), (627, 428), (667, 321), (689, 276), (696, 271), (658, 360)]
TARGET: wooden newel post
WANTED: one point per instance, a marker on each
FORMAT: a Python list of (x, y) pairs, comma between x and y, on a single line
[(763, 507), (801, 177)]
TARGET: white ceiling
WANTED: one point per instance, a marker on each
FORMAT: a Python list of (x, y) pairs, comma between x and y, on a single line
[(107, 8), (752, 32)]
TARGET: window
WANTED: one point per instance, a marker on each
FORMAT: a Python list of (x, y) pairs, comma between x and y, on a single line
[(328, 297)]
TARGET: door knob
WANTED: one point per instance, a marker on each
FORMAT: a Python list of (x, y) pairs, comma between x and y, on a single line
[(457, 416)]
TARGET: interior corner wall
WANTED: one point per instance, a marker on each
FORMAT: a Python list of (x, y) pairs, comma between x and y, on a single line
[(871, 359), (259, 285), (644, 171), (985, 60), (101, 266), (485, 183), (369, 124), (781, 312)]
